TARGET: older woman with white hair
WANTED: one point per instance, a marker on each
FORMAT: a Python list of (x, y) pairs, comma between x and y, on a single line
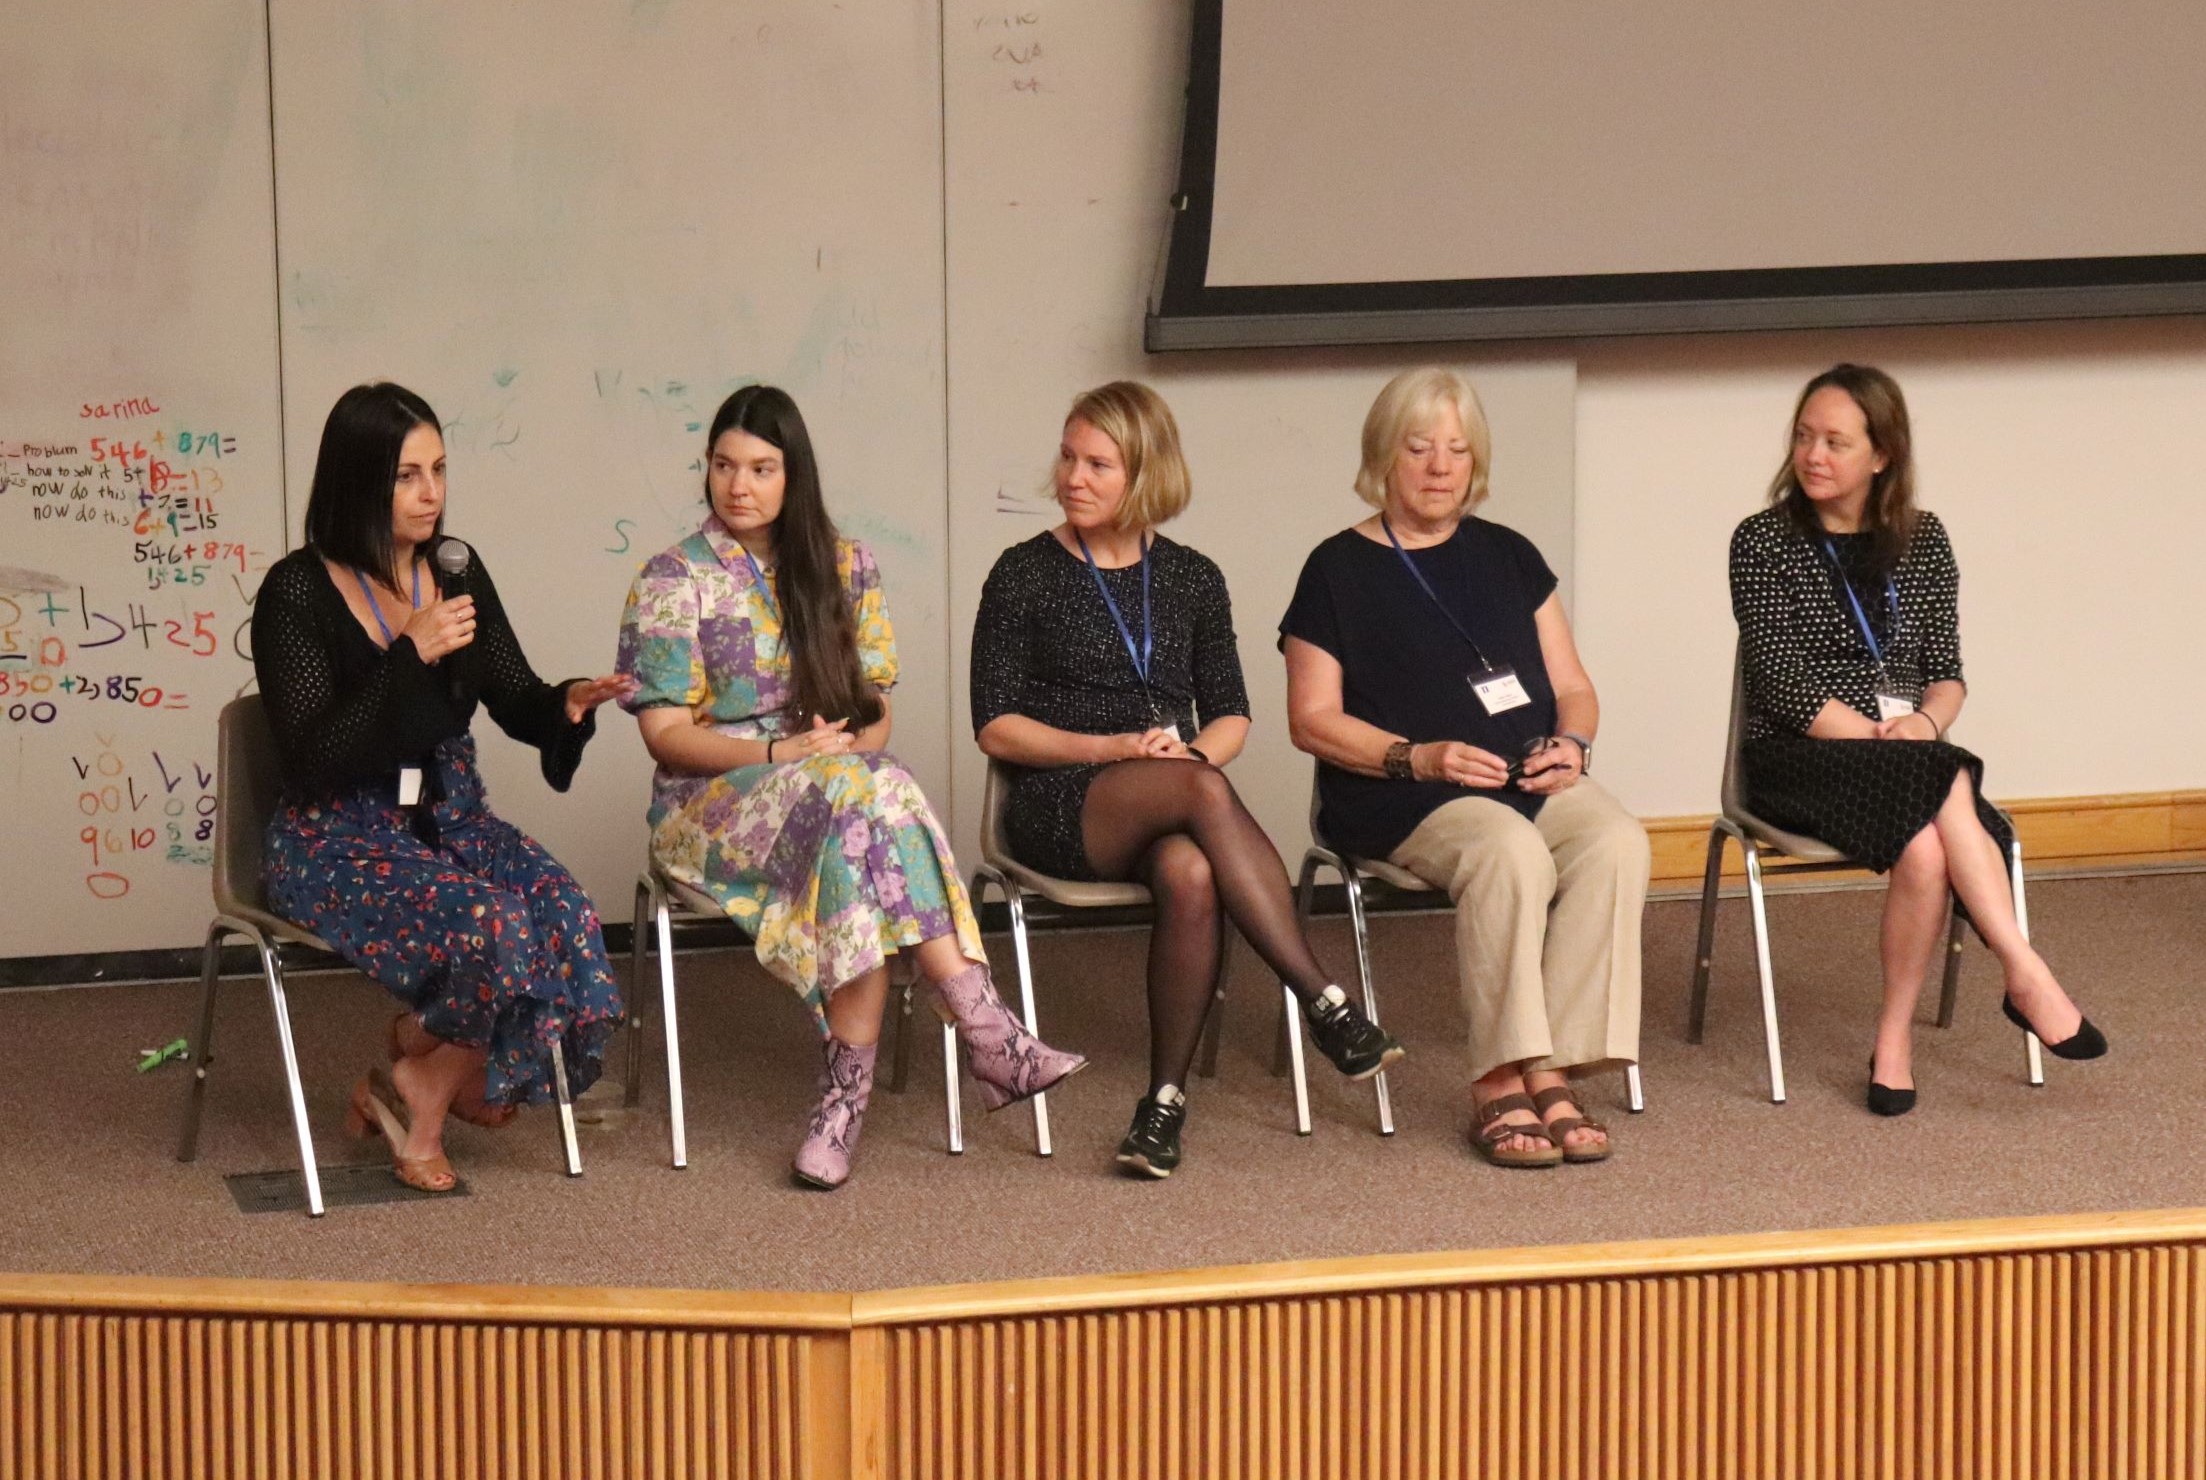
[(1431, 671)]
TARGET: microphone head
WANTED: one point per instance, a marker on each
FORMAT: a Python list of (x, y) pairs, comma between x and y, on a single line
[(452, 556)]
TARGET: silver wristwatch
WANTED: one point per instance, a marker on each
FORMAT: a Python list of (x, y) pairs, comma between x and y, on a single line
[(1585, 749)]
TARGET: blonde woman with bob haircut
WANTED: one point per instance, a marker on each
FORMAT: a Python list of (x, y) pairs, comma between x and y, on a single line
[(1431, 671), (1106, 679)]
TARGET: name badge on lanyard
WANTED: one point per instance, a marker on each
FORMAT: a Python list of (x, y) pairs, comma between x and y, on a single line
[(1142, 657), (409, 785), (1890, 706), (1499, 690)]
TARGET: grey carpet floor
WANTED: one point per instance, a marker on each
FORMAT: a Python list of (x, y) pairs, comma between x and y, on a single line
[(91, 1183)]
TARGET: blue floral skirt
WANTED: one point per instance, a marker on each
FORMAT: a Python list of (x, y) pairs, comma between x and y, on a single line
[(468, 922)]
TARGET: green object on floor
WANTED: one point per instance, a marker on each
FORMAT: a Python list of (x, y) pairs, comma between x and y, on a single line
[(156, 1057)]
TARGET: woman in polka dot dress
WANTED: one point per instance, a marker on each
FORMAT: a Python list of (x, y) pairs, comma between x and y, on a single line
[(1845, 597)]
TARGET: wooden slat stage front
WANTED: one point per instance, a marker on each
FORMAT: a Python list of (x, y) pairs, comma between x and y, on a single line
[(2045, 1347)]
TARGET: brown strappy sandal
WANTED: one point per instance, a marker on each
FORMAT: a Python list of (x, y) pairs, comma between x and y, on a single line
[(370, 1113), (475, 1112), (1489, 1131), (1559, 1128)]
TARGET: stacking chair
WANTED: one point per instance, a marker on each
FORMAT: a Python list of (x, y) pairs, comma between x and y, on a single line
[(1020, 887), (1792, 853), (659, 899), (1359, 877), (246, 782)]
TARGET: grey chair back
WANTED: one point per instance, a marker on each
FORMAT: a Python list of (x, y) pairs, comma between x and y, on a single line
[(247, 778), (1734, 778), (1378, 868), (995, 851), (1767, 834)]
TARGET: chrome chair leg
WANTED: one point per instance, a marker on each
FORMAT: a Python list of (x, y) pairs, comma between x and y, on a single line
[(2032, 1052), (1206, 1057), (901, 1064), (638, 942), (272, 970), (1762, 965), (1017, 909), (1290, 1028), (1950, 990), (1635, 1101), (1304, 898), (1711, 888), (677, 1129), (1358, 928), (202, 1046), (567, 1141)]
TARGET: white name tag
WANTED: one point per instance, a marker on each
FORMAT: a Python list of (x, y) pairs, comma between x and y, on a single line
[(1173, 731), (1499, 691), (409, 785), (1890, 707)]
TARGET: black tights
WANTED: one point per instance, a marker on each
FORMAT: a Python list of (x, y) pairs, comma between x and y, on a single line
[(1178, 826)]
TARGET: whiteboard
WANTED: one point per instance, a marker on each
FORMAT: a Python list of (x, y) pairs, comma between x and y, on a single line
[(1033, 93), (574, 229), (140, 457)]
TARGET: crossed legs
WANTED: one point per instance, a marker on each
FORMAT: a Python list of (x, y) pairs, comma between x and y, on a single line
[(1180, 828), (1953, 851)]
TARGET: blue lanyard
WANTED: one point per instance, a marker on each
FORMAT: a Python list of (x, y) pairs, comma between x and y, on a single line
[(1861, 618), (1141, 657), (376, 611), (1460, 630), (765, 592)]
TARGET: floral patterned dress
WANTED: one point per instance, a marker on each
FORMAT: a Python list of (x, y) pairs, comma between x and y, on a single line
[(832, 863)]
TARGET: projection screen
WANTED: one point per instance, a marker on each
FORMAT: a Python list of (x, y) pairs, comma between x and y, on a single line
[(1471, 169)]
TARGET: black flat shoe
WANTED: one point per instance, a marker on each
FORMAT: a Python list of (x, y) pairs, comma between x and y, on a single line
[(1885, 1100), (2086, 1042)]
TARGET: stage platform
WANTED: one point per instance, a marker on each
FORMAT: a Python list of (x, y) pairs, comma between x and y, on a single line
[(819, 1338)]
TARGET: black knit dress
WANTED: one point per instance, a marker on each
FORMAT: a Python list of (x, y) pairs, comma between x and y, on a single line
[(1044, 646), (1801, 644)]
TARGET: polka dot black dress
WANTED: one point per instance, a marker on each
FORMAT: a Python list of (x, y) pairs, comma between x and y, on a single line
[(1044, 646), (1801, 644)]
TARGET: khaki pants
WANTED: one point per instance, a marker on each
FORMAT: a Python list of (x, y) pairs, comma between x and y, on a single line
[(1546, 925)]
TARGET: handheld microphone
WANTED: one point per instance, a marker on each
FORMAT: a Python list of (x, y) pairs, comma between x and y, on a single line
[(452, 557)]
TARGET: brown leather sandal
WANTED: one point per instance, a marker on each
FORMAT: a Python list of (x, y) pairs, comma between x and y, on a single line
[(1563, 1125), (1489, 1131), (475, 1112), (370, 1113)]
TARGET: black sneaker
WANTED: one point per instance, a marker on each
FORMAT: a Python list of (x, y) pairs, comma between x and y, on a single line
[(1358, 1047), (1152, 1147)]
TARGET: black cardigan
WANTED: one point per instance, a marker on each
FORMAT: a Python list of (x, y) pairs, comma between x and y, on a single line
[(346, 711)]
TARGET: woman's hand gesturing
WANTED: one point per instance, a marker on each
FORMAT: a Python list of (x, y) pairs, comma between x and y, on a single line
[(441, 627), (585, 694)]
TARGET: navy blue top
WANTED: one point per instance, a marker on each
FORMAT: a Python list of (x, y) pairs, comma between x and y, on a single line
[(1405, 668)]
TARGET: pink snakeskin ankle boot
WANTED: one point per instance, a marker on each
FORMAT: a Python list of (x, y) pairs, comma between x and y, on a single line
[(1009, 1063), (846, 1083)]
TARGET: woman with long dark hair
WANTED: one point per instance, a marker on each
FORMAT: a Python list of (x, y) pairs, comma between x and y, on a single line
[(1846, 596), (383, 842), (762, 655)]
